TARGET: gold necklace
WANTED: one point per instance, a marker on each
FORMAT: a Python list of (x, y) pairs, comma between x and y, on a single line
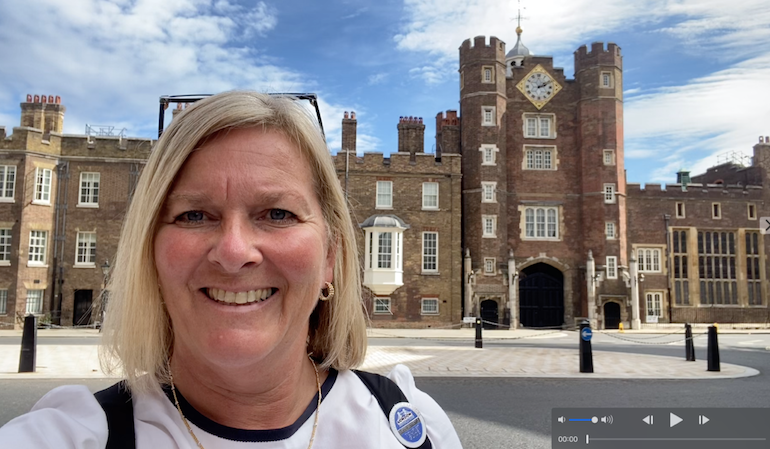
[(189, 429)]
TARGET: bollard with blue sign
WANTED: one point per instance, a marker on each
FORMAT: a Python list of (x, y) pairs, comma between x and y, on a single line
[(586, 356)]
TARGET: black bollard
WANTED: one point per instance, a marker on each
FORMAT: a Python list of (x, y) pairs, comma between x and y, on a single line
[(689, 347), (28, 345), (586, 356), (479, 343), (713, 350)]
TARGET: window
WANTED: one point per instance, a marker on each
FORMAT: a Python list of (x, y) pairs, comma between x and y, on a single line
[(489, 226), (5, 246), (716, 267), (7, 182), (752, 212), (541, 222), (42, 186), (648, 260), (681, 278), (35, 302), (609, 193), (612, 267), (606, 80), (384, 194), (488, 192), (487, 74), (609, 157), (89, 189), (384, 249), (539, 158), (680, 210), (489, 265), (37, 247), (3, 302), (430, 306), (430, 195), (488, 116), (86, 249), (654, 301), (753, 273), (716, 211), (538, 126), (488, 154), (385, 246), (382, 305), (609, 230), (430, 251)]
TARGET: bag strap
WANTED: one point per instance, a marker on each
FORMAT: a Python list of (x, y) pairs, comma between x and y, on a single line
[(119, 409), (388, 394)]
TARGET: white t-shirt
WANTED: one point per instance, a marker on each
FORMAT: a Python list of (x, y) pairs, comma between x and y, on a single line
[(350, 417)]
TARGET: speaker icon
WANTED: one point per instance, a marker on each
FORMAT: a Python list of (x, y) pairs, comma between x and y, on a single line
[(561, 419), (607, 419)]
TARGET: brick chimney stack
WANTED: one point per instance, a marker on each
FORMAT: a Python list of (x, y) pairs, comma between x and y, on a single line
[(411, 136), (349, 125), (447, 133), (42, 112)]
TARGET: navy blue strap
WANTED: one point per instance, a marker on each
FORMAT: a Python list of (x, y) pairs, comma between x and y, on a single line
[(388, 394), (117, 405)]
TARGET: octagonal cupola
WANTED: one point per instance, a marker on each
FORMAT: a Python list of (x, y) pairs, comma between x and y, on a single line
[(516, 56)]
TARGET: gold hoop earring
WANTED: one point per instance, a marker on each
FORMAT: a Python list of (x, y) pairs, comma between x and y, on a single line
[(330, 292)]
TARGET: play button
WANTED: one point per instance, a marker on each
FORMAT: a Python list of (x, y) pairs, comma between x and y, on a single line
[(674, 420)]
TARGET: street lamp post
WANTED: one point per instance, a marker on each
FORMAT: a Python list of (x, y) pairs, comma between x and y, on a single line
[(105, 272)]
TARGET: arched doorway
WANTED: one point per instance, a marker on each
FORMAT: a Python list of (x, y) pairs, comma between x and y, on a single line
[(611, 315), (541, 296), (489, 314)]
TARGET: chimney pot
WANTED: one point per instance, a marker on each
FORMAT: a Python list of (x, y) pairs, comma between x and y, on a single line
[(37, 99), (58, 99), (353, 115), (50, 98), (29, 100)]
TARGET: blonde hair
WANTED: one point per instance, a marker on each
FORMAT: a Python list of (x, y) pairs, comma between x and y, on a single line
[(138, 337)]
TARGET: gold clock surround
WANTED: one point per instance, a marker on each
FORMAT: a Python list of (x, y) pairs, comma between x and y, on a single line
[(538, 100)]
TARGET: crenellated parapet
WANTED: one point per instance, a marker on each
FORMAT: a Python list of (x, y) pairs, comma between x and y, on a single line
[(692, 191), (106, 147), (598, 56), (479, 49), (399, 163)]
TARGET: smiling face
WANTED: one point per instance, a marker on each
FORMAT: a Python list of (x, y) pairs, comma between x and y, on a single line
[(241, 251)]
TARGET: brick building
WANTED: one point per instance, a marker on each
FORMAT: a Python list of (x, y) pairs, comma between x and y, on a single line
[(61, 207), (551, 231)]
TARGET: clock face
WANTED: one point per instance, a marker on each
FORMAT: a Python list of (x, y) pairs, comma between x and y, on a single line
[(539, 86)]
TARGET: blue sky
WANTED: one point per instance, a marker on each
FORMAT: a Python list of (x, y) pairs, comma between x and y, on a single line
[(696, 72)]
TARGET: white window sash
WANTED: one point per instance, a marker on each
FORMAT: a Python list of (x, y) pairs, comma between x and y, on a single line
[(382, 305), (430, 195), (7, 181), (385, 194), (430, 251)]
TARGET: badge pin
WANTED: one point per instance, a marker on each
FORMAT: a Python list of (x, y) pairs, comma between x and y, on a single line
[(407, 425)]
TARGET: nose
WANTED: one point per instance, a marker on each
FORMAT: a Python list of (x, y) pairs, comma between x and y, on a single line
[(236, 246)]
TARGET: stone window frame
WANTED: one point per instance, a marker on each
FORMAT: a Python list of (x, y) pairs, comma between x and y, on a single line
[(610, 193), (610, 231), (608, 157), (611, 267), (488, 187), (380, 195), (490, 150), (751, 211), (427, 196), (661, 304), (38, 247), (487, 262), (88, 241), (525, 215), (6, 242), (608, 77), (424, 253), (43, 182), (529, 156), (645, 257), (677, 210), (381, 305), (39, 295), (493, 111), (423, 302), (716, 211), (7, 187), (526, 119), (89, 189), (3, 301), (484, 79), (491, 219)]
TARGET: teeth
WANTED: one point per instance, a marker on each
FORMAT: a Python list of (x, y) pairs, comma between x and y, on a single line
[(236, 298)]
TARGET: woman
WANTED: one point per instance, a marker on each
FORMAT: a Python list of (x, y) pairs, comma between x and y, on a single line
[(235, 309)]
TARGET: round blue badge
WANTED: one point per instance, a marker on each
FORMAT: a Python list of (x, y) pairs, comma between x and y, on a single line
[(586, 334), (407, 425)]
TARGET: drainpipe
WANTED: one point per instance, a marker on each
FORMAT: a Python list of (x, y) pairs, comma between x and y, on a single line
[(669, 269)]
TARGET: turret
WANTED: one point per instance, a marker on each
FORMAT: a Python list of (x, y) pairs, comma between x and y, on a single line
[(45, 113)]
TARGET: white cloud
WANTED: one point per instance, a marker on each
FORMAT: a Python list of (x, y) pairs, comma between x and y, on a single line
[(332, 117), (377, 78)]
